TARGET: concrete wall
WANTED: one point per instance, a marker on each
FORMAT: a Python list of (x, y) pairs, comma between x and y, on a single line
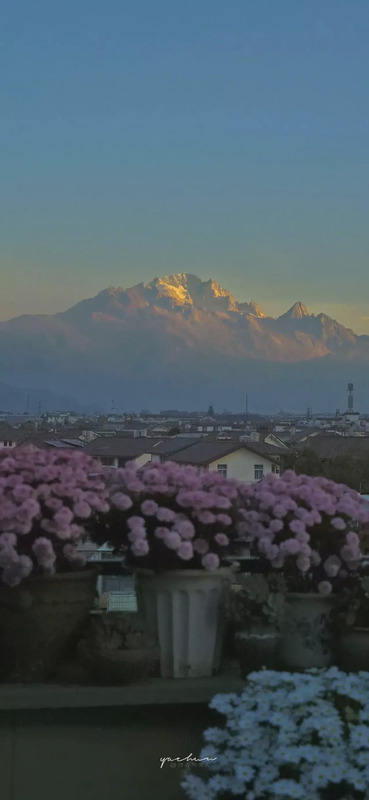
[(98, 753)]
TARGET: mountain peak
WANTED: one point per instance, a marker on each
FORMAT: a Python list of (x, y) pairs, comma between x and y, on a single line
[(297, 311)]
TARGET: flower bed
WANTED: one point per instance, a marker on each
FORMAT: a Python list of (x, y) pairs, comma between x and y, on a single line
[(309, 528), (289, 736), (46, 498), (166, 516)]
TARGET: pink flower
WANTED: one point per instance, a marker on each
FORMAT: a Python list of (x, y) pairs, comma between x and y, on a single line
[(222, 502), (280, 510), (149, 507), (276, 525), (22, 492), (185, 551), (44, 552), (349, 553), (332, 566), (290, 546), (224, 519), (8, 540), (165, 514), (121, 501), (140, 547), (16, 571), (210, 562), (82, 510), (297, 526), (315, 558), (303, 563), (200, 546), (136, 534), (31, 507), (135, 522), (221, 539), (352, 539), (63, 517), (72, 555), (324, 587), (161, 531), (172, 540), (206, 517), (185, 529), (338, 523)]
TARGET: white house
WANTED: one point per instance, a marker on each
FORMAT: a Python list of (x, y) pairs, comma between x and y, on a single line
[(248, 462)]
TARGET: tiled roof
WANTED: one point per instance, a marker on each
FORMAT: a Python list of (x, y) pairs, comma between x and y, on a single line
[(7, 433), (204, 452), (118, 447)]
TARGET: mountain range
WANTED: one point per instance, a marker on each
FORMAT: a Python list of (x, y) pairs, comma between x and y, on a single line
[(182, 342)]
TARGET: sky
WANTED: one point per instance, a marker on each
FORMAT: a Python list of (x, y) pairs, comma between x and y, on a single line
[(227, 139)]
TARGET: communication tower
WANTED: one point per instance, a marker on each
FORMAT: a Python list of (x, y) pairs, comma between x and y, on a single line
[(350, 389)]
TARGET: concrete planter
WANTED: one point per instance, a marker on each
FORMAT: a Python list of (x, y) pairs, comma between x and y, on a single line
[(353, 650), (39, 620), (256, 649), (183, 611), (306, 641)]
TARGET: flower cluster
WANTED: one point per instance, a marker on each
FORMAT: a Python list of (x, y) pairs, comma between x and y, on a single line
[(307, 526), (166, 516), (289, 736), (46, 497)]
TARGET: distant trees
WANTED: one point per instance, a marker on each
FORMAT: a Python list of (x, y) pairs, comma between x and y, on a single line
[(174, 431), (351, 470)]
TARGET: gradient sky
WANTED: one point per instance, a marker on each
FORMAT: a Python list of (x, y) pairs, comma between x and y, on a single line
[(229, 139)]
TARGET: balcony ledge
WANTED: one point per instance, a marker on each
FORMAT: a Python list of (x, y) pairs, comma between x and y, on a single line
[(154, 691)]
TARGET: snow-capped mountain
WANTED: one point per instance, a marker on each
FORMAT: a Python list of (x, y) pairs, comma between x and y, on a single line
[(180, 341)]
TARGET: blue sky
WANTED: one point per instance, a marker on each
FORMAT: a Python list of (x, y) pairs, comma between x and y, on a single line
[(229, 139)]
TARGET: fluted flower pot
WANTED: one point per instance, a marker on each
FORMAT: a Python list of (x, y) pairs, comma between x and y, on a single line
[(183, 610), (306, 640), (353, 650), (39, 620)]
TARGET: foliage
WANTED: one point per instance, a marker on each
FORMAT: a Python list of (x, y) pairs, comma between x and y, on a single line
[(46, 497), (258, 600), (309, 528), (118, 631), (351, 470), (166, 516), (288, 736), (351, 609)]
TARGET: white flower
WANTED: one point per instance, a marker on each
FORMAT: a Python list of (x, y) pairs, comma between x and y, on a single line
[(244, 772), (359, 736), (288, 788)]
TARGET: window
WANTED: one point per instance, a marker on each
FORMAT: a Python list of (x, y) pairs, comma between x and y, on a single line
[(222, 469), (275, 469), (258, 472)]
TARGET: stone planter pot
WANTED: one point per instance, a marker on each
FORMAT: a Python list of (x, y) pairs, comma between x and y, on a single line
[(108, 667), (256, 649), (353, 650), (306, 641), (183, 610), (39, 620)]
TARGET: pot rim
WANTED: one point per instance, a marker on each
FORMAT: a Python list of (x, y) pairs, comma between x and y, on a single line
[(188, 573), (56, 577), (311, 595)]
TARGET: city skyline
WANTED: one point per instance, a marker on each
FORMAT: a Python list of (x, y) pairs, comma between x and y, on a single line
[(142, 141)]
